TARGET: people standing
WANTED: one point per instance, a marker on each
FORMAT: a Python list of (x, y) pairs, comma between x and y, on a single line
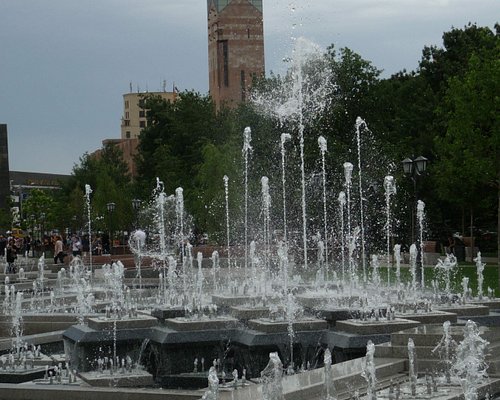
[(76, 246), (11, 256), (58, 250)]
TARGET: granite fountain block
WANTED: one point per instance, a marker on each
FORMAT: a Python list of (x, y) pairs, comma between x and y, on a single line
[(244, 313), (136, 378), (234, 300), (139, 322), (464, 309), (371, 327), (188, 324), (272, 326), (168, 312), (429, 317)]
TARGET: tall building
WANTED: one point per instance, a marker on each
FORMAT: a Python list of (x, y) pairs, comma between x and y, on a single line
[(235, 48), (4, 169), (134, 117), (133, 121)]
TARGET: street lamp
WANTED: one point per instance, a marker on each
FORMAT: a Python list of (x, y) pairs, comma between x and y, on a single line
[(111, 208), (42, 231), (136, 204), (414, 169)]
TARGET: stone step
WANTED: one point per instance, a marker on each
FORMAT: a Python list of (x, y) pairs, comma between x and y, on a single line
[(400, 349), (346, 377), (430, 335)]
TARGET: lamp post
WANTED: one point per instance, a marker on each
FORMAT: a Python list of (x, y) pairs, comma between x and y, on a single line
[(42, 231), (414, 169), (111, 208), (136, 204), (33, 240)]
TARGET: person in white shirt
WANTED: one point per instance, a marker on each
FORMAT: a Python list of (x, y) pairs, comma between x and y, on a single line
[(58, 250)]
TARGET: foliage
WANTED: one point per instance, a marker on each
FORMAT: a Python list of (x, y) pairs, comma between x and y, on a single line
[(107, 174)]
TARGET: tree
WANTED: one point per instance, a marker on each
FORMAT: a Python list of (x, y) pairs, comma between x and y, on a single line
[(107, 174), (470, 149)]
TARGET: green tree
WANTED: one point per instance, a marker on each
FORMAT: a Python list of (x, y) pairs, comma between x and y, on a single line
[(469, 162), (107, 174)]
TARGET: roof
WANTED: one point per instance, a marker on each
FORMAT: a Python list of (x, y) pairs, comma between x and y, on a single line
[(36, 179), (221, 4)]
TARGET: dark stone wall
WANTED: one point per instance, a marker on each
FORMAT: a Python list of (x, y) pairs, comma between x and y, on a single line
[(4, 168)]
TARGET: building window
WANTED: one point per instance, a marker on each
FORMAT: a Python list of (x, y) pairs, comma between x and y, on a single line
[(127, 122), (127, 116), (243, 85), (142, 114), (127, 135), (225, 57), (248, 33), (126, 104), (142, 124)]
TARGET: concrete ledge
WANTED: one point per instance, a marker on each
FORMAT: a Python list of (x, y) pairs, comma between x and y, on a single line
[(61, 392), (135, 379), (375, 327), (270, 326), (182, 324), (139, 322)]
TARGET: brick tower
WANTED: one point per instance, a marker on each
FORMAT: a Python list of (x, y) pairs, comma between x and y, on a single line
[(235, 48)]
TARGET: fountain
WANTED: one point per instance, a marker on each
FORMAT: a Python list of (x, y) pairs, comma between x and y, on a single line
[(157, 326)]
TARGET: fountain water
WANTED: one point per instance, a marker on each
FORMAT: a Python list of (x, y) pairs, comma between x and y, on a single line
[(272, 377), (445, 348), (226, 197), (213, 385), (397, 257), (420, 218), (470, 365), (266, 206), (330, 393), (322, 143), (360, 123), (480, 278), (247, 149), (137, 242), (88, 192), (369, 371), (412, 370), (284, 137), (390, 190), (342, 204)]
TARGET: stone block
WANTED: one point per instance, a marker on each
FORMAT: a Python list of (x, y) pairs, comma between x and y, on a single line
[(139, 322), (219, 323), (375, 327), (270, 326)]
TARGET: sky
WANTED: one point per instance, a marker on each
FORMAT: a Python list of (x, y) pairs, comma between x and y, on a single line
[(65, 64)]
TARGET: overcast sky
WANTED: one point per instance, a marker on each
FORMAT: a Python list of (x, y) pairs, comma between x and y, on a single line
[(65, 64)]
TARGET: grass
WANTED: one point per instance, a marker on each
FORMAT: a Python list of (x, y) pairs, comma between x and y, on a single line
[(463, 270)]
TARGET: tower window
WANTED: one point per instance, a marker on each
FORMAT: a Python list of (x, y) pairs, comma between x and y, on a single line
[(225, 58), (243, 85)]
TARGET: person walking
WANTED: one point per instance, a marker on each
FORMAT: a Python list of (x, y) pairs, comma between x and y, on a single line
[(58, 250)]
